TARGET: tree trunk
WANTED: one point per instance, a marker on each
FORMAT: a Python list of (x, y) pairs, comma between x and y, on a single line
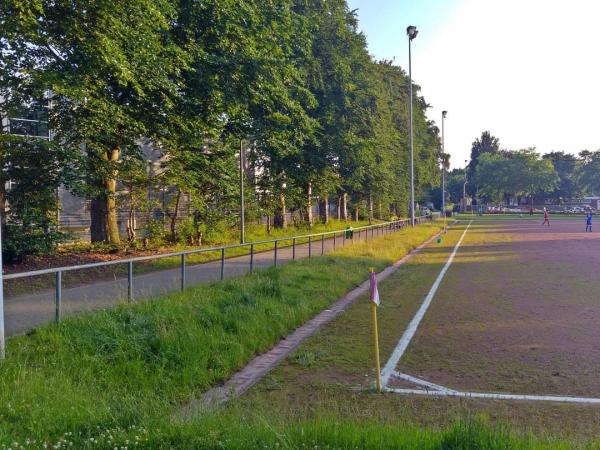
[(98, 220), (280, 217), (309, 212), (131, 225), (324, 209), (175, 215), (356, 213), (345, 207), (268, 224), (110, 187), (370, 208), (339, 208)]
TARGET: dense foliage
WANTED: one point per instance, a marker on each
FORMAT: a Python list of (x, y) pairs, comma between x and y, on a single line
[(494, 175), (318, 118)]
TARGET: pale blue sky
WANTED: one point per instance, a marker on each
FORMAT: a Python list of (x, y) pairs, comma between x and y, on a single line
[(385, 21), (527, 70)]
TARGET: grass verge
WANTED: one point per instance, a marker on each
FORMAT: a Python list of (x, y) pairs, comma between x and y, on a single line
[(123, 371)]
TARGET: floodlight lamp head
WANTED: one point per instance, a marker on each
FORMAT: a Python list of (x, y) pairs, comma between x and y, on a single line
[(444, 114), (412, 32)]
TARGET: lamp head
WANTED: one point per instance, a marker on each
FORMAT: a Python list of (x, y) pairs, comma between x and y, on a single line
[(444, 114), (412, 32)]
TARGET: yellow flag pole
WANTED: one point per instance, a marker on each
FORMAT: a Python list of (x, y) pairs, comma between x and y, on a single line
[(375, 342)]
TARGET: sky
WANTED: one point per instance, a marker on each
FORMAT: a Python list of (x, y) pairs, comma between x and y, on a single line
[(526, 70)]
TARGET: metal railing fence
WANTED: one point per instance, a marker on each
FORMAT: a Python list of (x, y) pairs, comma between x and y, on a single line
[(338, 237)]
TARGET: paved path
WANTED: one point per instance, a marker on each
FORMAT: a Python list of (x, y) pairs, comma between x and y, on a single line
[(263, 364), (25, 312)]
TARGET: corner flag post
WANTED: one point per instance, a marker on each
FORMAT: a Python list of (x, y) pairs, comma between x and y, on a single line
[(374, 299)]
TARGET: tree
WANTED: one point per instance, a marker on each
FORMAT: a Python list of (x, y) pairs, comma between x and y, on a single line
[(520, 173), (35, 168), (487, 143), (567, 167), (589, 172), (114, 76)]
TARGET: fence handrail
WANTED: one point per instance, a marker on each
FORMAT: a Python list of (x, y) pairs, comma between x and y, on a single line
[(32, 273)]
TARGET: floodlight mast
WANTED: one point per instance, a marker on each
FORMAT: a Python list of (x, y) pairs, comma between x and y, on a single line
[(444, 113), (412, 32)]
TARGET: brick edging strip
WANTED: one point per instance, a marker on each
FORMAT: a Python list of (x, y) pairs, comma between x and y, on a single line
[(258, 367)]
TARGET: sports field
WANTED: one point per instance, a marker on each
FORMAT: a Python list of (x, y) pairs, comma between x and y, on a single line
[(517, 312), (504, 326)]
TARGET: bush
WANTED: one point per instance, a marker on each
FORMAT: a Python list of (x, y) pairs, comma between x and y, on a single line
[(154, 232), (19, 241)]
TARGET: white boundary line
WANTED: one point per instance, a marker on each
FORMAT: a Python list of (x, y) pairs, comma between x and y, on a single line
[(420, 382), (436, 390), (494, 396), (414, 323)]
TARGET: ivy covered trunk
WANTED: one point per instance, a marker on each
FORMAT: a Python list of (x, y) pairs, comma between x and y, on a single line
[(103, 208), (98, 222)]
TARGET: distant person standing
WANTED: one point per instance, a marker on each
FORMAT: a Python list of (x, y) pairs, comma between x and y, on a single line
[(546, 218), (588, 222)]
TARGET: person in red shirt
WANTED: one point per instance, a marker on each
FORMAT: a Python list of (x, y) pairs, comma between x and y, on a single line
[(546, 218)]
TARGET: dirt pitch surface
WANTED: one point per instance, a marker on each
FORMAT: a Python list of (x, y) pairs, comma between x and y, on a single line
[(517, 312)]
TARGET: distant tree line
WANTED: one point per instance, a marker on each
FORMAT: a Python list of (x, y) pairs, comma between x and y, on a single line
[(493, 174), (292, 79)]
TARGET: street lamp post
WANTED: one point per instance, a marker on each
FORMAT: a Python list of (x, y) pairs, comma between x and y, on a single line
[(2, 345), (465, 189), (412, 32), (443, 168), (242, 208)]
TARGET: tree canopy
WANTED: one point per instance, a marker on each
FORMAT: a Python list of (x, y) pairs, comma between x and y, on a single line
[(319, 118)]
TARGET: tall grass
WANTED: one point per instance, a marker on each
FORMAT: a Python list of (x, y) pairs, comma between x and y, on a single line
[(123, 371), (237, 432)]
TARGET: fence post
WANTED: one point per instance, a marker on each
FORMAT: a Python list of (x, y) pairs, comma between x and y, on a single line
[(58, 295), (275, 253), (294, 249), (129, 281), (322, 244), (222, 263), (334, 236), (183, 271), (309, 247), (2, 344), (251, 257)]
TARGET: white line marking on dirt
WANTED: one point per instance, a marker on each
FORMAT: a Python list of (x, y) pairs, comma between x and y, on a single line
[(495, 396), (419, 381), (414, 323)]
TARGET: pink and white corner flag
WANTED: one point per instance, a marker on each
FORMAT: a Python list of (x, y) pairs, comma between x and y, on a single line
[(374, 291)]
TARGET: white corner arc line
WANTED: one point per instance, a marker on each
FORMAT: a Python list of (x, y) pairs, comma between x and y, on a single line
[(414, 323), (495, 396)]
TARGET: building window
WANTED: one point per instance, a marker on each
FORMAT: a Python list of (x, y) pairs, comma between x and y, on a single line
[(29, 120)]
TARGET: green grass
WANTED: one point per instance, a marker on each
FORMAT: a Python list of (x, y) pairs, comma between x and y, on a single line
[(124, 370), (235, 431)]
